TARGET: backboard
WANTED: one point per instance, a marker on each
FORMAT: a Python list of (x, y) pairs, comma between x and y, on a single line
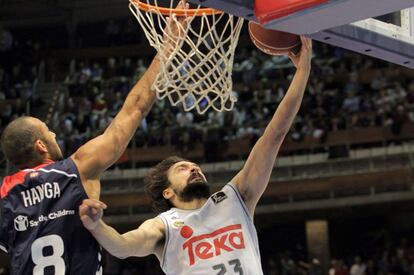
[(351, 24)]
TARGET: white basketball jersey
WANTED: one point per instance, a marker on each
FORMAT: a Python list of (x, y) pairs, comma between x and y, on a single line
[(218, 238)]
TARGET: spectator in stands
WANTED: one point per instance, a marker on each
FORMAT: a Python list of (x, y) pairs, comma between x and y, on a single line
[(126, 69), (96, 72), (184, 131), (351, 103), (85, 73), (358, 267), (248, 67), (371, 268), (214, 144), (315, 268), (111, 69), (341, 268), (140, 68), (399, 118), (353, 84), (409, 97), (333, 266), (378, 82)]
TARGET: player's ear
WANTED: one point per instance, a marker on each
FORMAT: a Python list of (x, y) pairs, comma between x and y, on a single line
[(40, 147), (167, 193)]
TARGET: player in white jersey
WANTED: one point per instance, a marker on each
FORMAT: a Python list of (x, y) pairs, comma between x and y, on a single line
[(199, 233)]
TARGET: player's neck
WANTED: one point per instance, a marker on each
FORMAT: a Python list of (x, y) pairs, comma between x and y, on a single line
[(40, 164), (35, 163), (192, 205)]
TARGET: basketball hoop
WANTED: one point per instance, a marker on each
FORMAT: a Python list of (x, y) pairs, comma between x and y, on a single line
[(197, 74)]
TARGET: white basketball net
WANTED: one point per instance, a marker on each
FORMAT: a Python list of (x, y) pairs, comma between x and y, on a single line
[(198, 72)]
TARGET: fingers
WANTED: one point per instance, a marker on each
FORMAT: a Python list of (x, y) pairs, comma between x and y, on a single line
[(94, 211), (182, 4), (294, 57), (306, 42), (86, 220), (92, 208), (176, 27), (94, 204), (90, 212), (83, 209), (303, 58)]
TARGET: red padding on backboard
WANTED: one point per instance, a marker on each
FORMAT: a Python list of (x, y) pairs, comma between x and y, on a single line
[(267, 10)]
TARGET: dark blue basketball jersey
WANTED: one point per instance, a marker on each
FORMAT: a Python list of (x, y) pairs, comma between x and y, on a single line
[(40, 225)]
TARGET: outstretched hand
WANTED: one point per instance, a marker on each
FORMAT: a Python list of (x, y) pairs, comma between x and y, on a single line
[(91, 212), (302, 60), (176, 28)]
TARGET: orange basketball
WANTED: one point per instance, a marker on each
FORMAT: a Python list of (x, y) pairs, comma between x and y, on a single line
[(274, 42)]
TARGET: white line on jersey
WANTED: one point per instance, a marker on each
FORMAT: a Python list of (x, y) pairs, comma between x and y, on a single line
[(52, 170), (59, 172)]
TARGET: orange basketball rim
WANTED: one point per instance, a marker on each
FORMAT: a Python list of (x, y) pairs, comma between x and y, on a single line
[(178, 12)]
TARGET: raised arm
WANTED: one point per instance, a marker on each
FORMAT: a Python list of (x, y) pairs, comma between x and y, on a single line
[(253, 179), (101, 152), (145, 240)]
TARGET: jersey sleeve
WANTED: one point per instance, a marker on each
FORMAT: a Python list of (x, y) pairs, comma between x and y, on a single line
[(233, 188)]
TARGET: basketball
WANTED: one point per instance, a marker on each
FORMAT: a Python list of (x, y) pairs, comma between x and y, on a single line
[(274, 42)]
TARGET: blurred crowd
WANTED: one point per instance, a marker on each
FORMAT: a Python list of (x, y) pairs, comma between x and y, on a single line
[(395, 259), (335, 100), (345, 91), (21, 69)]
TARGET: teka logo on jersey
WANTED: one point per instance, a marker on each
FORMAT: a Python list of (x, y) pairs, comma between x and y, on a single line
[(206, 246), (21, 223)]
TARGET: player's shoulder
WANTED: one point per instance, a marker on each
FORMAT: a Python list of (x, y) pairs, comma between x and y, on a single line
[(61, 168), (168, 213), (153, 227), (12, 180), (228, 190), (154, 223), (64, 167)]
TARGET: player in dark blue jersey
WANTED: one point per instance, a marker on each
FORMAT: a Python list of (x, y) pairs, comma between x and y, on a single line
[(40, 226), (40, 229)]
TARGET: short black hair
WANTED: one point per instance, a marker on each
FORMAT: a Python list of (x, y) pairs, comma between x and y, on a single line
[(17, 142), (156, 181)]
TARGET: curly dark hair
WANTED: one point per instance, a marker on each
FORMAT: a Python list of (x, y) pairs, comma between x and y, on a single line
[(156, 181)]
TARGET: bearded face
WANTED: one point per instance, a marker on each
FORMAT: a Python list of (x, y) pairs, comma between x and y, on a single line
[(188, 182), (196, 188)]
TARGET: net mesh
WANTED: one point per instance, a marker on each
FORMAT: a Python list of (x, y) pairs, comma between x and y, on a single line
[(198, 72)]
